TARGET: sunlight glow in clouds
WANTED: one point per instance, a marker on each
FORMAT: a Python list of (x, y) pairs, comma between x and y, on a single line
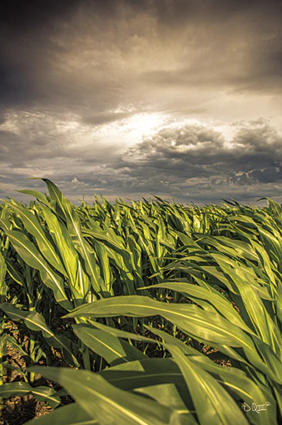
[(145, 124)]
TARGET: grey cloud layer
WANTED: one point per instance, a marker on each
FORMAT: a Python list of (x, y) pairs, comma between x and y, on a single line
[(100, 55), (190, 163), (197, 163), (70, 69)]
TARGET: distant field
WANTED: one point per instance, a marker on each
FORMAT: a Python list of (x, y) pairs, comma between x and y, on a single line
[(146, 313)]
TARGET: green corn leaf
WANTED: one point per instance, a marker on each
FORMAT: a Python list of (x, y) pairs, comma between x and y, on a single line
[(35, 194), (163, 393), (74, 228), (144, 373), (3, 285), (206, 326), (234, 380), (120, 333), (108, 404), (214, 406), (71, 414), (211, 295), (14, 271), (29, 253), (21, 389), (108, 346), (79, 281), (36, 322), (32, 225)]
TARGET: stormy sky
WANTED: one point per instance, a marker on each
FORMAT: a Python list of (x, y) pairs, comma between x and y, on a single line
[(176, 98)]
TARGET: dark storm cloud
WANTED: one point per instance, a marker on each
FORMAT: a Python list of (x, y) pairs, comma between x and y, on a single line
[(191, 163), (68, 68), (197, 163), (233, 45), (19, 152), (26, 16), (36, 141)]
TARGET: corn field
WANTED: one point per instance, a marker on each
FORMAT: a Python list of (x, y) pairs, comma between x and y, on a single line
[(146, 313)]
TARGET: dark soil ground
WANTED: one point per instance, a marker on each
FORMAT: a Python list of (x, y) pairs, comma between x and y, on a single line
[(18, 410)]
